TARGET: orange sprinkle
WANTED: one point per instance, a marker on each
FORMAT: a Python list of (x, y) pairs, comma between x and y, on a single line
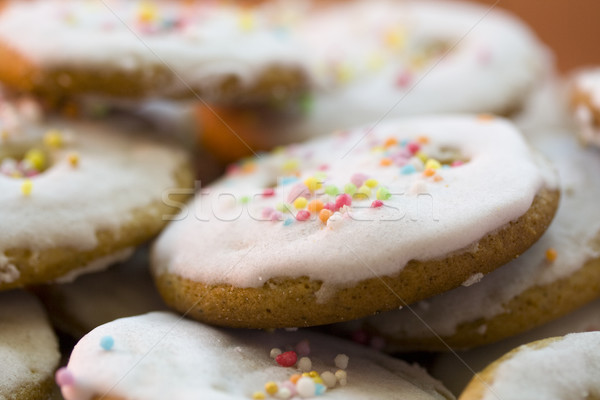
[(390, 142), (551, 254), (429, 172), (324, 215), (315, 206), (74, 159), (294, 378), (385, 162), (437, 178), (485, 117), (423, 139), (248, 167)]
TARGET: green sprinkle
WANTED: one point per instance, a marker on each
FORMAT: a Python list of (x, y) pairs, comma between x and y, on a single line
[(332, 190), (383, 194), (350, 188)]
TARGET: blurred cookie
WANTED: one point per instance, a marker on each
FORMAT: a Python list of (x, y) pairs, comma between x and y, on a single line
[(28, 348), (160, 355), (77, 196), (355, 223), (585, 102)]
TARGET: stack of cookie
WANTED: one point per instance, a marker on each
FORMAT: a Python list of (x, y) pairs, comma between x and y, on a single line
[(392, 214)]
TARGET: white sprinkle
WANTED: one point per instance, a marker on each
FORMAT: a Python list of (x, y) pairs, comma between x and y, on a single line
[(329, 379), (275, 352), (305, 387), (342, 377), (304, 364), (283, 393), (341, 361)]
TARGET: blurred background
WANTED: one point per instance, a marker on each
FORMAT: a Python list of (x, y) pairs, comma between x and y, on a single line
[(571, 28)]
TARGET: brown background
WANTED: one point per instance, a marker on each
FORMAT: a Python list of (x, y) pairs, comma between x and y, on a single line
[(570, 27)]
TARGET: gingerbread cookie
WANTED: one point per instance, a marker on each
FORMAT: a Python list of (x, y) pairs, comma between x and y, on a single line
[(355, 223), (133, 49), (121, 291), (556, 368), (585, 102), (28, 348), (560, 273), (160, 355), (78, 196)]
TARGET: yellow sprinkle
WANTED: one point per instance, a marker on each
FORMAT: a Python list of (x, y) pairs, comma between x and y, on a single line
[(258, 396), (313, 374), (418, 62), (290, 165), (271, 388), (372, 183), (246, 21), (36, 158), (363, 193), (375, 62), (4, 135), (26, 187), (344, 74), (300, 203), (312, 183), (551, 254), (53, 138), (377, 149), (395, 38), (422, 156), (317, 379), (73, 159), (147, 12), (433, 164)]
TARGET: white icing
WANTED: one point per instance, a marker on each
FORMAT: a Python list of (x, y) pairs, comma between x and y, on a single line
[(202, 42), (587, 82), (451, 369), (118, 171), (571, 234), (28, 347), (565, 369), (162, 355), (97, 265), (238, 246)]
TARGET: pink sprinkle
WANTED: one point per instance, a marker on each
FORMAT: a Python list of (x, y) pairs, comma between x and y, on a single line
[(303, 348), (413, 147), (267, 212), (342, 200), (329, 206), (457, 163), (484, 56), (287, 359), (232, 169), (289, 385), (323, 167), (298, 190), (276, 216), (360, 337), (358, 179), (64, 377), (376, 204), (404, 80), (268, 192), (303, 215)]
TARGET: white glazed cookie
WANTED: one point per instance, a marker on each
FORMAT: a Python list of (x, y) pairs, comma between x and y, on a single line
[(585, 101), (355, 223), (219, 50), (161, 355), (121, 291), (554, 369), (28, 348), (556, 275), (77, 195), (457, 369)]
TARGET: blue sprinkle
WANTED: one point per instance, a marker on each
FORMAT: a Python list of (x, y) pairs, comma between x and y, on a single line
[(107, 342), (408, 169), (288, 222), (404, 143), (288, 179), (445, 166), (319, 389)]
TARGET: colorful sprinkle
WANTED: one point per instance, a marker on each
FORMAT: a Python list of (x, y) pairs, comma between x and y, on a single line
[(300, 203), (429, 172), (358, 179), (303, 215), (36, 158), (383, 193), (551, 254), (314, 206), (325, 214), (342, 377), (290, 165), (107, 342), (271, 388), (376, 204), (363, 193), (341, 361), (408, 169), (390, 142), (350, 188), (423, 139), (274, 352), (343, 200), (332, 190), (53, 138), (26, 187), (64, 377), (304, 364), (320, 389), (433, 164), (288, 222), (329, 379), (258, 396), (312, 184), (303, 348), (305, 387), (73, 159), (372, 183), (287, 359), (386, 162), (413, 147), (269, 192)]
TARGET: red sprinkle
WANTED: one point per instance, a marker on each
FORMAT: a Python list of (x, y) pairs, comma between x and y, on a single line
[(404, 80), (269, 192), (287, 359), (323, 167), (329, 206), (303, 215), (457, 163), (376, 204), (413, 147), (342, 200)]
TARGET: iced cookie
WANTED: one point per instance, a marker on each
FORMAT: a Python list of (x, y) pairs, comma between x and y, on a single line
[(373, 60), (585, 102), (131, 49), (560, 273), (161, 355), (556, 368), (28, 348), (364, 221), (92, 300), (456, 370), (77, 196)]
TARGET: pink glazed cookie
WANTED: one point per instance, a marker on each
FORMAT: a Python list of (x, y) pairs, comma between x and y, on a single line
[(355, 223)]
